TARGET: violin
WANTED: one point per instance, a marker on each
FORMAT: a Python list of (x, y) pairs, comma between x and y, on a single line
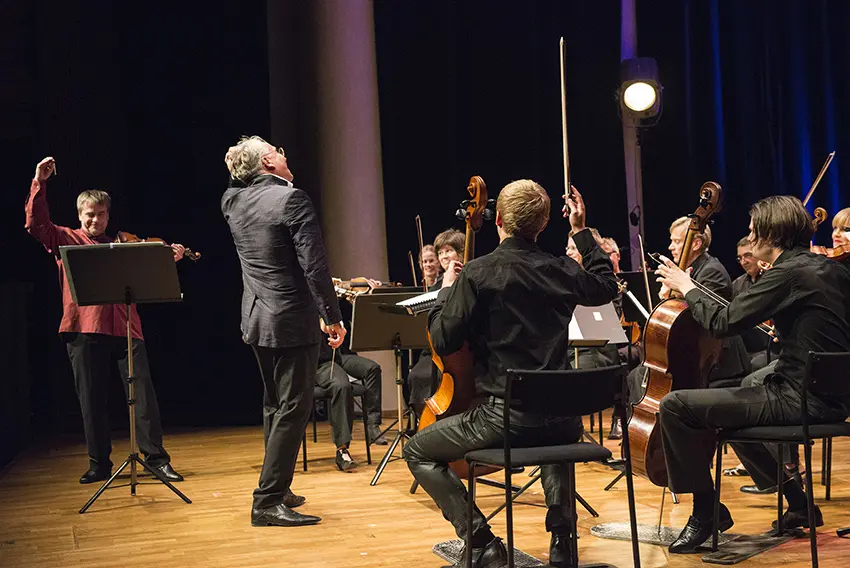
[(350, 289), (838, 254), (124, 237)]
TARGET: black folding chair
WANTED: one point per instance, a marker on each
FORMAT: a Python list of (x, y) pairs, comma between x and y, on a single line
[(827, 377), (558, 393)]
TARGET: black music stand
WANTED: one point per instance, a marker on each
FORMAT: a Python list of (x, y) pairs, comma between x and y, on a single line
[(137, 273), (374, 327)]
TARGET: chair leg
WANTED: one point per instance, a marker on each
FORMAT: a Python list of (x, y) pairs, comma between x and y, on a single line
[(313, 415), (810, 497), (366, 431), (601, 429), (509, 516), (823, 458), (571, 471), (828, 444), (592, 421), (470, 508), (780, 478), (630, 491), (718, 472), (304, 449)]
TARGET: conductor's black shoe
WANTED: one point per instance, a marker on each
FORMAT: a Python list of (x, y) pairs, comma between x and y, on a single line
[(168, 472), (292, 500), (560, 551), (800, 519), (280, 516), (94, 475), (493, 555), (697, 531)]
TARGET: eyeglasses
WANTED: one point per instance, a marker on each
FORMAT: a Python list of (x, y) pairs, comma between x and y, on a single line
[(746, 255), (279, 150)]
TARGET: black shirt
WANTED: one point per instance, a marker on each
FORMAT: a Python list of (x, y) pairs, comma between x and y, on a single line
[(514, 305), (805, 295), (733, 361), (754, 339)]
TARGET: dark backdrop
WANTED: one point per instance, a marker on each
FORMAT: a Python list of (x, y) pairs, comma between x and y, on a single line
[(143, 102)]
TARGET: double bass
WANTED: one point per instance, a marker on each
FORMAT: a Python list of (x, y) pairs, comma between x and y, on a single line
[(456, 392), (678, 354)]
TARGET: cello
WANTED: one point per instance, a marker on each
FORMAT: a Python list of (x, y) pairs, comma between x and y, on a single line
[(678, 354), (456, 392)]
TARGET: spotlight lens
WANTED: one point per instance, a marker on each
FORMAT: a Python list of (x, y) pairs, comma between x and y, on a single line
[(639, 96)]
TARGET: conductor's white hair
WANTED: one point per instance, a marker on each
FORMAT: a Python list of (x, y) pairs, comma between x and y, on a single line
[(244, 160)]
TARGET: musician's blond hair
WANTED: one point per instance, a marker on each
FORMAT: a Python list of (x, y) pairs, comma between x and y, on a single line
[(96, 196), (524, 208), (704, 237), (841, 219)]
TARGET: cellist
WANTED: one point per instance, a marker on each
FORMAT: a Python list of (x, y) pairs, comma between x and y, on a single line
[(502, 304), (804, 294), (708, 271)]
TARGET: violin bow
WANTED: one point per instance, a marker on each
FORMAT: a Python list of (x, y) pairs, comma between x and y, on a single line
[(421, 247), (412, 267), (567, 182), (820, 176), (645, 276)]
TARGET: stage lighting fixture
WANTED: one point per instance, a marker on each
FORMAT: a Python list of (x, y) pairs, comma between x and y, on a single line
[(640, 91)]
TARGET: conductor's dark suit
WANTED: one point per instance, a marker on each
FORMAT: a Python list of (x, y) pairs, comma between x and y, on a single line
[(286, 288)]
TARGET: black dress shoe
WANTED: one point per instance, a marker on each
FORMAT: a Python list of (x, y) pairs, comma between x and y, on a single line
[(560, 551), (800, 519), (280, 516), (697, 531), (754, 490), (292, 500), (94, 475), (168, 472), (616, 432), (344, 461), (494, 555), (375, 436)]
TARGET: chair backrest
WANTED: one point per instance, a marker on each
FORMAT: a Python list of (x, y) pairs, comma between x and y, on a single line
[(571, 392), (828, 374)]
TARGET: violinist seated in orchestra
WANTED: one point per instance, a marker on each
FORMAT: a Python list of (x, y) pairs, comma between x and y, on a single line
[(595, 357), (502, 304), (841, 235), (95, 337), (805, 295), (755, 340), (332, 376), (733, 363), (423, 378), (430, 265)]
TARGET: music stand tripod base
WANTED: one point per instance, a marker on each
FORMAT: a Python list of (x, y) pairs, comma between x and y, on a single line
[(138, 273)]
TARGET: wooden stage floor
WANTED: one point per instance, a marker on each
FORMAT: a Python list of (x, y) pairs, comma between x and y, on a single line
[(363, 526)]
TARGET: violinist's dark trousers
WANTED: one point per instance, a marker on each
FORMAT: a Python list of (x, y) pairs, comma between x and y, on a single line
[(92, 357), (429, 452), (689, 418), (288, 374)]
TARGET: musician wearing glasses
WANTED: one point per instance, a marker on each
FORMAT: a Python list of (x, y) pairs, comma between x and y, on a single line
[(805, 295), (287, 288), (733, 363)]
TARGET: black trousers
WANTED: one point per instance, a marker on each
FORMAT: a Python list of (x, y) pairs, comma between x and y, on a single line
[(92, 356), (288, 375), (689, 419), (431, 450)]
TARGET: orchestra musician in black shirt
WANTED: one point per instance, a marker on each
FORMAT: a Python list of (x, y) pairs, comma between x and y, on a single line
[(514, 306), (805, 295)]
